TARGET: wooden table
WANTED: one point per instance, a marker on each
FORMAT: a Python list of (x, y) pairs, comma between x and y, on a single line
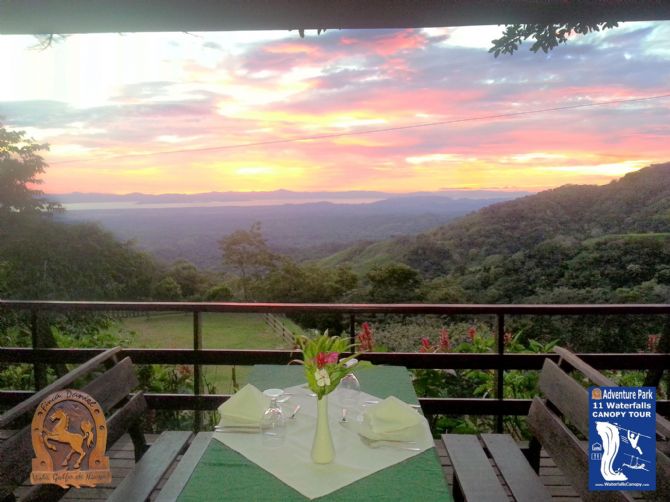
[(199, 477)]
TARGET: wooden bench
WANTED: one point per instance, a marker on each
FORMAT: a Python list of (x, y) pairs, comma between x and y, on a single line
[(112, 380), (571, 399), (474, 458)]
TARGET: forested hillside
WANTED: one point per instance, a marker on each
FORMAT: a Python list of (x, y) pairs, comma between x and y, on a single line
[(571, 244)]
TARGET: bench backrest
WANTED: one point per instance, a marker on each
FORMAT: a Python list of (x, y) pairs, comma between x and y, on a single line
[(598, 379), (112, 389), (567, 403)]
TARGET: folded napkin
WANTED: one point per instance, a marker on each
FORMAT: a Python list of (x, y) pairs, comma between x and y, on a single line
[(392, 419), (244, 408)]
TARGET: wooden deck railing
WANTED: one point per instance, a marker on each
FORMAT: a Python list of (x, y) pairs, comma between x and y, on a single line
[(197, 356)]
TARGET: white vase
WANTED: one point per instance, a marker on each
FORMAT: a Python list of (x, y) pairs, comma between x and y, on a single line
[(323, 451)]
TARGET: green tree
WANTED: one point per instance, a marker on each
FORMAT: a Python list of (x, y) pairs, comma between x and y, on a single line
[(219, 293), (443, 290), (4, 275), (191, 281), (43, 259), (394, 283), (248, 253), (291, 282), (20, 168), (49, 260), (547, 36), (310, 283), (167, 289)]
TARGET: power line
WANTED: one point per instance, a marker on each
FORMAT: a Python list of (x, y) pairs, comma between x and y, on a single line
[(371, 131)]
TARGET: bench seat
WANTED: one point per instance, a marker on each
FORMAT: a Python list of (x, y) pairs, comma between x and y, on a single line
[(475, 478), (146, 474)]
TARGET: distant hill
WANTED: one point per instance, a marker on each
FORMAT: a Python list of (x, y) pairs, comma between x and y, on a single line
[(301, 230), (572, 237), (287, 196)]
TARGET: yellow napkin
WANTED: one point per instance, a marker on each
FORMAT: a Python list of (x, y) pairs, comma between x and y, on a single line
[(246, 407), (392, 419)]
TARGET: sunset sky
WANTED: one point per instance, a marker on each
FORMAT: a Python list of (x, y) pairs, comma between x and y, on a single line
[(110, 104)]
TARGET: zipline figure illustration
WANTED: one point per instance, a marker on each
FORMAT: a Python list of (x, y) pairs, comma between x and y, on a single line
[(637, 465), (633, 438)]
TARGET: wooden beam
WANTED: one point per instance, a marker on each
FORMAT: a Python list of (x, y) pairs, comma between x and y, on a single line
[(566, 394), (16, 355), (343, 308), (98, 16)]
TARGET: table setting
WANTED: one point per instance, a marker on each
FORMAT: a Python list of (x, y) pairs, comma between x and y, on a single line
[(329, 428)]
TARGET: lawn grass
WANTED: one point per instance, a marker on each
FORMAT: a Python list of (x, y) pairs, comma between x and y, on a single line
[(219, 331)]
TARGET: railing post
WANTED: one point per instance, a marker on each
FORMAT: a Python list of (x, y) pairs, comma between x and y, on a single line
[(352, 329), (197, 368), (500, 373), (39, 370)]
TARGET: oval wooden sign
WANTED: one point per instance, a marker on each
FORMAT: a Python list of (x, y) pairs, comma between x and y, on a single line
[(69, 436)]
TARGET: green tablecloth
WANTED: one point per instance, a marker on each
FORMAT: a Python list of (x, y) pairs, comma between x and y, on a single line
[(224, 474)]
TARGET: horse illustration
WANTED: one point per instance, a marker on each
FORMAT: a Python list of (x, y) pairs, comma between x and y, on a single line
[(62, 435)]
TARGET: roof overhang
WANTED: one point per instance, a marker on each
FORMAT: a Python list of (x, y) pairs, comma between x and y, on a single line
[(108, 16)]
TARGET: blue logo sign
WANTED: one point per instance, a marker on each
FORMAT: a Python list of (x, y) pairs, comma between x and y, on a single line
[(622, 438)]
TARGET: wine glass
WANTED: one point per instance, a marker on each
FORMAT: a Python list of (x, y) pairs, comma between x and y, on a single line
[(349, 390), (273, 423)]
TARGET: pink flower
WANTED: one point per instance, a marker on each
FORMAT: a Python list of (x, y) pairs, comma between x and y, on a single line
[(652, 342), (472, 332), (323, 358), (445, 343), (425, 345)]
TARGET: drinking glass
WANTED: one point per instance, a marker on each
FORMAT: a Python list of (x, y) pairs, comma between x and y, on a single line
[(349, 390), (273, 424)]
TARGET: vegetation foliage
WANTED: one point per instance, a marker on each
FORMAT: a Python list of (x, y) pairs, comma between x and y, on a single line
[(545, 36)]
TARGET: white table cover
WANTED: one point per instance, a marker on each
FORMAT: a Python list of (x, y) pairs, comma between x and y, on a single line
[(292, 464)]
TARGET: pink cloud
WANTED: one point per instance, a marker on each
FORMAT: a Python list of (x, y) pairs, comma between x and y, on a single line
[(387, 44)]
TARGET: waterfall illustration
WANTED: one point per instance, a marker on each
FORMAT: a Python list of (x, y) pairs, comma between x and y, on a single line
[(610, 438)]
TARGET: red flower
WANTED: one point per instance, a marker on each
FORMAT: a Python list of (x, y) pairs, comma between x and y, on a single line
[(652, 342), (320, 360), (365, 338), (445, 343), (425, 345), (472, 332), (323, 358)]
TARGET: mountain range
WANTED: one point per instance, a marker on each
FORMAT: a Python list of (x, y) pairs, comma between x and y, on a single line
[(179, 226), (289, 196)]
